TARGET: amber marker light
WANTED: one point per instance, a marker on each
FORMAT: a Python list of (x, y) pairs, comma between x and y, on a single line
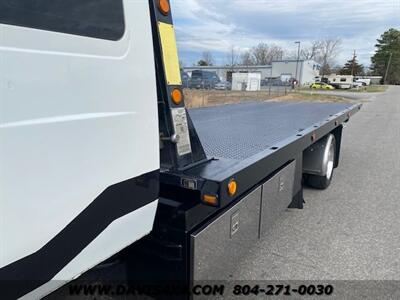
[(177, 96), (232, 188), (163, 6), (210, 200)]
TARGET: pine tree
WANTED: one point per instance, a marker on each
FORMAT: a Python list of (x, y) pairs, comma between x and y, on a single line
[(352, 67), (387, 56)]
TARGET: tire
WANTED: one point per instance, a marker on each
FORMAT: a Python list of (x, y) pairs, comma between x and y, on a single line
[(318, 182), (323, 182)]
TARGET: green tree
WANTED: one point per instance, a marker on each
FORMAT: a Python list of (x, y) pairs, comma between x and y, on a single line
[(387, 56), (202, 63), (352, 67), (206, 59)]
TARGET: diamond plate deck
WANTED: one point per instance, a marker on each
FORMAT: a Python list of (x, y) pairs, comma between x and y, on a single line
[(240, 131)]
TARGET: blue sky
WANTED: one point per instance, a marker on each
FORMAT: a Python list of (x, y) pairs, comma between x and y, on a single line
[(219, 25)]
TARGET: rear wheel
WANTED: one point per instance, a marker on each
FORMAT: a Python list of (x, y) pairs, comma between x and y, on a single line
[(323, 182)]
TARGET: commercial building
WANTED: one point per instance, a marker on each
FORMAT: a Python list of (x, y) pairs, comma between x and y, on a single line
[(225, 72), (304, 71)]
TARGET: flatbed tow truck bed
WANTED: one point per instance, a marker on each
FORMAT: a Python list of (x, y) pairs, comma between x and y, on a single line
[(260, 145), (240, 131), (251, 141)]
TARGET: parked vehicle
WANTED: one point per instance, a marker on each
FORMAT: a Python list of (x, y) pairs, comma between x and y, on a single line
[(341, 81), (105, 175), (203, 80), (278, 82), (321, 86), (321, 79), (365, 82), (357, 84), (264, 82), (223, 85)]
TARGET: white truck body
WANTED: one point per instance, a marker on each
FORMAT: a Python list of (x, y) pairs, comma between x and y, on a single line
[(75, 119), (246, 81), (341, 81), (366, 82)]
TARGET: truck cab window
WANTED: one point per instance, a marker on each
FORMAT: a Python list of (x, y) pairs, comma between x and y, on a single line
[(103, 19)]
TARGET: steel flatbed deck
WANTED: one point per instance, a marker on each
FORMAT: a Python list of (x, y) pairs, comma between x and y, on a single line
[(250, 142), (241, 131)]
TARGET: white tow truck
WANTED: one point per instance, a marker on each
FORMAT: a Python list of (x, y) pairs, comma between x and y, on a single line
[(102, 165)]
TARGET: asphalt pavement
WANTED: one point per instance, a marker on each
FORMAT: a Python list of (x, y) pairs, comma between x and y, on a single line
[(352, 230)]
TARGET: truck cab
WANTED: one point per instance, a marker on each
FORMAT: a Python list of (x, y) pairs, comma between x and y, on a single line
[(204, 80), (79, 135)]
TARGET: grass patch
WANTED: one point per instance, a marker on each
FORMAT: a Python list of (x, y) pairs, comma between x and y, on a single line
[(304, 96), (207, 98), (364, 89), (372, 89)]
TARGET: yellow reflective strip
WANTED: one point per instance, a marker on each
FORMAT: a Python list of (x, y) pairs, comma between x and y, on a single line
[(170, 53)]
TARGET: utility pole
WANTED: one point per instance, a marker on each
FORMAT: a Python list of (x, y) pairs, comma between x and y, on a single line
[(297, 63), (353, 63), (388, 67)]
